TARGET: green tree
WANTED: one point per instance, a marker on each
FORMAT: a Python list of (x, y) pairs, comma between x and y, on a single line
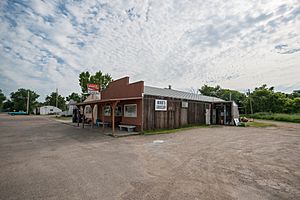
[(295, 94), (99, 78), (102, 79), (8, 106), (19, 99), (233, 95), (261, 99), (50, 100), (74, 96), (210, 91), (264, 99), (2, 99), (226, 94), (84, 79), (296, 105), (292, 105)]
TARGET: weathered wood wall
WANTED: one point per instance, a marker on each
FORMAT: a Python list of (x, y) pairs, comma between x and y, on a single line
[(175, 116)]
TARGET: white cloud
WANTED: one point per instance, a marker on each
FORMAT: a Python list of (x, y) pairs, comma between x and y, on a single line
[(239, 44)]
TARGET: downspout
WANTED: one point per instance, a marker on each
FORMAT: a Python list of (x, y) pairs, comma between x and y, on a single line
[(142, 125)]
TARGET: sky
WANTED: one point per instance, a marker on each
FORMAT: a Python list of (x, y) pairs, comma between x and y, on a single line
[(240, 44)]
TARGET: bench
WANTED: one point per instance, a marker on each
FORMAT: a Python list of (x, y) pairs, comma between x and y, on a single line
[(129, 128), (98, 123)]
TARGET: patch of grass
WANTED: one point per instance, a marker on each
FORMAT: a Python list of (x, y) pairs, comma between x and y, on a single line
[(295, 118), (259, 124), (167, 131)]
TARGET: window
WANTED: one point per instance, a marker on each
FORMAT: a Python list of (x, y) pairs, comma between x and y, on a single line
[(184, 104), (160, 105), (107, 111), (118, 111), (51, 110), (130, 110), (88, 110)]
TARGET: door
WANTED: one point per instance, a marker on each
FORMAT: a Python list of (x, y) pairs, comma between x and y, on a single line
[(207, 116), (214, 116), (183, 116)]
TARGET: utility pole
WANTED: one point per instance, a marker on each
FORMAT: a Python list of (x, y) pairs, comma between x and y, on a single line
[(250, 101), (56, 102), (28, 102), (230, 96)]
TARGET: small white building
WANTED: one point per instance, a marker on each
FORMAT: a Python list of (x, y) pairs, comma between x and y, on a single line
[(71, 107), (48, 110)]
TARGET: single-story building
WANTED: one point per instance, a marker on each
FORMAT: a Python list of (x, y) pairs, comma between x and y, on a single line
[(49, 110), (150, 108), (70, 108)]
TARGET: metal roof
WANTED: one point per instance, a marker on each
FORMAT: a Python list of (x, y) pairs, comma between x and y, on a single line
[(165, 92)]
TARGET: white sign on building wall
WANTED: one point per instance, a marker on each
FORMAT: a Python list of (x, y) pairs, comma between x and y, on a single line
[(184, 104), (160, 105)]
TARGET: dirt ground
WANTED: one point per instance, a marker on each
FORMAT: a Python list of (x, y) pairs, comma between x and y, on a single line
[(44, 159)]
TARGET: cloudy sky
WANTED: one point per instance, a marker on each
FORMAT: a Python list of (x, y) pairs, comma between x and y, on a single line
[(237, 44)]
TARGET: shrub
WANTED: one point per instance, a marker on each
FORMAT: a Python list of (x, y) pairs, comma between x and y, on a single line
[(276, 116)]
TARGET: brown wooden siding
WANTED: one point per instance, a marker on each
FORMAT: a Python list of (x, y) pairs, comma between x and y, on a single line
[(175, 116)]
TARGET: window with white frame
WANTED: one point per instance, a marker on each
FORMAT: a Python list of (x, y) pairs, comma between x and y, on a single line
[(107, 111), (130, 110)]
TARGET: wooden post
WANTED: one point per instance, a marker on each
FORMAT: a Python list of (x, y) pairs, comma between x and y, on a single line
[(225, 114), (78, 116), (113, 117), (102, 108), (83, 116), (92, 106), (142, 125)]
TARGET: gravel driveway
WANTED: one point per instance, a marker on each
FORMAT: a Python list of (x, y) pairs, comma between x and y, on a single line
[(44, 159)]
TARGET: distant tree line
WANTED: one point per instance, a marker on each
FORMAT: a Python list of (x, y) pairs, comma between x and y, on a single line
[(18, 99), (261, 99)]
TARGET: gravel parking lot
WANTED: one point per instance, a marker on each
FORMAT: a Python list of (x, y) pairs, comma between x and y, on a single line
[(44, 159)]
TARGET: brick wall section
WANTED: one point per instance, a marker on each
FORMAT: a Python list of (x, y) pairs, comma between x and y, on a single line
[(137, 121), (121, 88)]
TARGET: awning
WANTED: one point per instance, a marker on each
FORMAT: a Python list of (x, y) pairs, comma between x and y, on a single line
[(99, 101)]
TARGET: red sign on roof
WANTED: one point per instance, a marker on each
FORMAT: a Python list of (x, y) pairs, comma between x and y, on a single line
[(93, 88)]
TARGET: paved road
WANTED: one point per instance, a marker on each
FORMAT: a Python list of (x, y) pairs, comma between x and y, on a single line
[(44, 159)]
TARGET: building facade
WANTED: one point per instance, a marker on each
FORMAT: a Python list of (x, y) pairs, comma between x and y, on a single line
[(151, 108)]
